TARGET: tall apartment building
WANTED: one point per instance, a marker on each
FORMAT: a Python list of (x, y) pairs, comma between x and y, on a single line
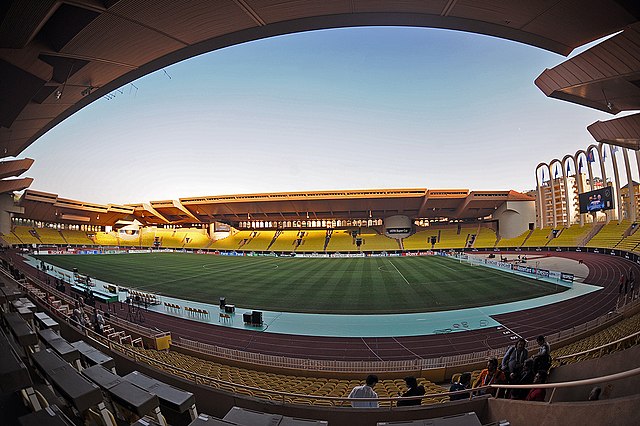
[(554, 196), (624, 193)]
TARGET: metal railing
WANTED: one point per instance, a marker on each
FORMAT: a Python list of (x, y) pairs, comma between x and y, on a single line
[(414, 365), (293, 398), (602, 349), (583, 382), (288, 397)]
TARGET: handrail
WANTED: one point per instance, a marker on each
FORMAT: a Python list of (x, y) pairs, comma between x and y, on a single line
[(199, 379), (419, 364), (582, 382), (138, 357), (140, 329), (204, 379)]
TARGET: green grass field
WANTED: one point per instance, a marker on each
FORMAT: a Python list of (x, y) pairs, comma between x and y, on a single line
[(353, 286)]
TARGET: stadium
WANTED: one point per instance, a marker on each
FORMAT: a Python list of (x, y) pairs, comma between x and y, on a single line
[(269, 308)]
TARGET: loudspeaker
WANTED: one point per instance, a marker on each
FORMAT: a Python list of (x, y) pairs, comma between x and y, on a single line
[(256, 318), (223, 301), (246, 317)]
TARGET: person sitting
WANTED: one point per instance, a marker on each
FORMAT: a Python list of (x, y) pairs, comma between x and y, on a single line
[(538, 394), (523, 377), (463, 383), (365, 391), (514, 358), (542, 361), (490, 375), (413, 390)]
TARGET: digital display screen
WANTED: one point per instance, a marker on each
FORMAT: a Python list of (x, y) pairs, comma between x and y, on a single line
[(595, 201)]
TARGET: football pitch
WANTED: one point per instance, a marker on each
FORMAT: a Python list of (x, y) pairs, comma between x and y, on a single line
[(374, 285)]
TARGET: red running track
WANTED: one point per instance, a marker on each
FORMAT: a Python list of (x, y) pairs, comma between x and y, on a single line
[(604, 270)]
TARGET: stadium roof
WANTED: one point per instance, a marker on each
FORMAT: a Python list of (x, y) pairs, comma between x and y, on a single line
[(349, 204), (605, 77), (58, 56), (14, 168)]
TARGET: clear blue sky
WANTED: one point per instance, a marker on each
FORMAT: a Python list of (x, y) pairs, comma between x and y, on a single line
[(337, 109)]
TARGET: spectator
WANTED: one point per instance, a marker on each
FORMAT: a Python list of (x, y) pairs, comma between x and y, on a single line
[(542, 361), (538, 394), (622, 281), (365, 391), (463, 383), (77, 316), (523, 377), (594, 395), (514, 358), (413, 390), (98, 322), (490, 375)]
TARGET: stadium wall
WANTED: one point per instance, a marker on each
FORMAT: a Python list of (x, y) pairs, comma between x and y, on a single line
[(218, 402), (622, 411), (602, 366), (514, 217), (398, 226), (7, 208)]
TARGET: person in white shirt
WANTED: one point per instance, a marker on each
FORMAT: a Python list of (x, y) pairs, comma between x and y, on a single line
[(365, 391)]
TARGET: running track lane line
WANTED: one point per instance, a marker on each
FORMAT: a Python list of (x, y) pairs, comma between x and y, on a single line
[(369, 347), (406, 348), (394, 267)]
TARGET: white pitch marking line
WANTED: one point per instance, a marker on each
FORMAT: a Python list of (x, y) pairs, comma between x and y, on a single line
[(445, 266), (394, 267)]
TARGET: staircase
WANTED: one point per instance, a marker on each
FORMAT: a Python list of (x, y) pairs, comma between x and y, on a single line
[(596, 228)]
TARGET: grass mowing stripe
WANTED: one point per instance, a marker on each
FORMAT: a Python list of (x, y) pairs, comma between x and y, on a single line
[(320, 285), (394, 267)]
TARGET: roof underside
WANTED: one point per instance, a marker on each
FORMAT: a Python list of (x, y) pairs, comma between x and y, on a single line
[(58, 56), (605, 77), (360, 204)]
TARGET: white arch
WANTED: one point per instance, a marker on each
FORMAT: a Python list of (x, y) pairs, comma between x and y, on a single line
[(539, 200), (553, 189), (581, 188), (565, 175), (616, 179)]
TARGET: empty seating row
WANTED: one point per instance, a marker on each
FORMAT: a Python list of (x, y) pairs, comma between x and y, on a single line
[(312, 386), (610, 234)]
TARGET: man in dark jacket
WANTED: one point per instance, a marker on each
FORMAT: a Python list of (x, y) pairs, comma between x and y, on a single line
[(413, 390), (463, 383)]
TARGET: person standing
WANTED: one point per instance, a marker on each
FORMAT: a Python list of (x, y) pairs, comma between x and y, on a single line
[(514, 358), (77, 315), (365, 391), (98, 322)]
